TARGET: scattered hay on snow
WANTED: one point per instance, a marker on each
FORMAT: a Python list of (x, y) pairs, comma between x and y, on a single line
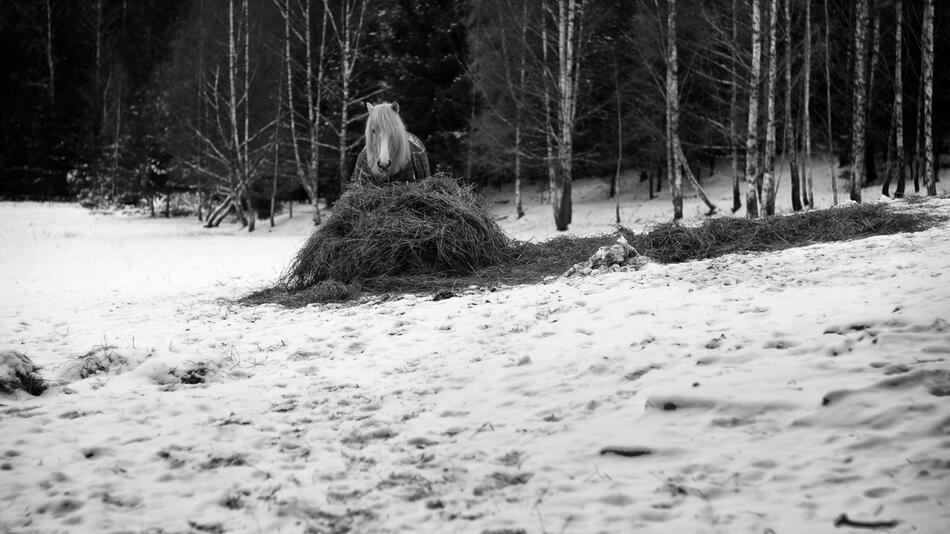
[(674, 243), (18, 372), (609, 258), (101, 359), (413, 228)]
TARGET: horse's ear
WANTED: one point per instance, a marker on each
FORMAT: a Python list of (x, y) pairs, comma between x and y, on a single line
[(395, 106), (369, 107)]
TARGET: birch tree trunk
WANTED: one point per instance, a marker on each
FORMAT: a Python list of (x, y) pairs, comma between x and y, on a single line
[(273, 183), (201, 103), (791, 150), (898, 103), (831, 139), (236, 166), (344, 93), (928, 82), (918, 161), (860, 99), (348, 30), (751, 158), (569, 19), (616, 184), (548, 127), (769, 186), (808, 193), (246, 172), (519, 116), (313, 108), (681, 160), (291, 102), (870, 165), (733, 105), (672, 111)]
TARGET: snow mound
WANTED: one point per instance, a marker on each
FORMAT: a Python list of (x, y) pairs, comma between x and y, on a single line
[(17, 372)]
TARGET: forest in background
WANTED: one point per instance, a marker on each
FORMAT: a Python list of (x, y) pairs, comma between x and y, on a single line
[(240, 104)]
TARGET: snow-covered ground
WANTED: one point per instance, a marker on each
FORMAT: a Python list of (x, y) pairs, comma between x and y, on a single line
[(748, 393)]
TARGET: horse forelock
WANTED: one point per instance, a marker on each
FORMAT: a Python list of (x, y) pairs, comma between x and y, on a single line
[(387, 123)]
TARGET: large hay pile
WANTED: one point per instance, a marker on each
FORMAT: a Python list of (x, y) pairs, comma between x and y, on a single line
[(424, 227)]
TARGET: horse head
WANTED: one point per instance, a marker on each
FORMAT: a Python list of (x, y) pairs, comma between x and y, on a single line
[(387, 143)]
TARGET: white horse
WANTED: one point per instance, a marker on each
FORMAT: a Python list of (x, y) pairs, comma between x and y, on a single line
[(391, 154)]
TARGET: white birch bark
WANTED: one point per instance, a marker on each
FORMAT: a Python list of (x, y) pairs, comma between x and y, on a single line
[(519, 115), (672, 112), (751, 161), (899, 100), (808, 192), (831, 139), (548, 115), (733, 109), (791, 151), (769, 186), (860, 88), (928, 81)]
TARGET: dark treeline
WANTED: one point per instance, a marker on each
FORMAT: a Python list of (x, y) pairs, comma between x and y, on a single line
[(240, 103)]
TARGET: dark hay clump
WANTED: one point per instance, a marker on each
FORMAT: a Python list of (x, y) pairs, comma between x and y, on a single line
[(415, 228)]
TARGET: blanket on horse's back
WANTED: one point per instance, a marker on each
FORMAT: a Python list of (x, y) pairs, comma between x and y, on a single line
[(416, 169)]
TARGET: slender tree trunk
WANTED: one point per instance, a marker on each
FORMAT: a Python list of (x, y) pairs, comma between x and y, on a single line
[(97, 75), (616, 184), (51, 87), (291, 110), (273, 184), (237, 165), (344, 120), (733, 110), (751, 159), (791, 151), (870, 175), (562, 198), (313, 111), (202, 104), (246, 173), (928, 82), (860, 100), (569, 13), (809, 189), (672, 112), (769, 185), (681, 160), (519, 115), (918, 165), (898, 103), (548, 127), (831, 140), (348, 33), (219, 213)]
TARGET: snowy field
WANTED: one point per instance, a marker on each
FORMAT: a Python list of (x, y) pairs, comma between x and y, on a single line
[(748, 393)]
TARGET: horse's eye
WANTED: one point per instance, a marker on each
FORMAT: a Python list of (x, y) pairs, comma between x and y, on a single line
[(373, 131)]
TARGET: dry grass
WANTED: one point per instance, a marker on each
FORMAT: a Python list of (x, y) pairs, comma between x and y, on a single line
[(674, 243), (528, 263), (430, 226)]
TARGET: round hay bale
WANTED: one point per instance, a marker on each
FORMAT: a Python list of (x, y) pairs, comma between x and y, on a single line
[(430, 226)]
